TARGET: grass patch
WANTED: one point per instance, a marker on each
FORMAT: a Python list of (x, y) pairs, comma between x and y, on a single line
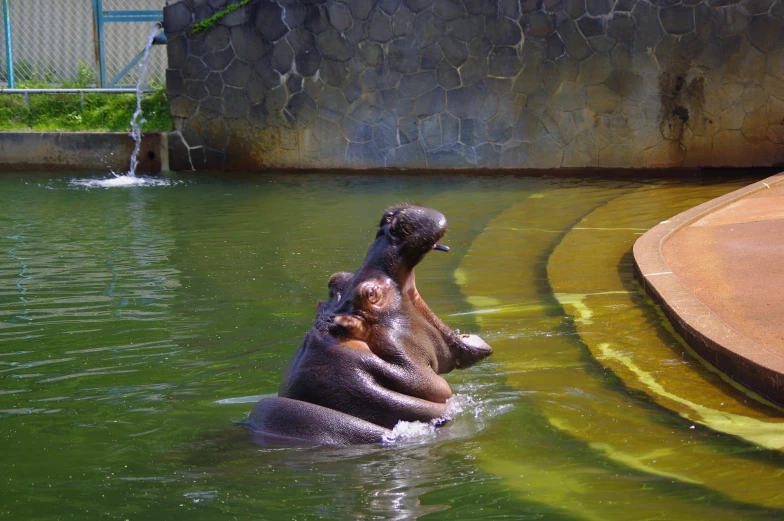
[(66, 112)]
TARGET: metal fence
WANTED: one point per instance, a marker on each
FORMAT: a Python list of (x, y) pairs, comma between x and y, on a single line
[(77, 43)]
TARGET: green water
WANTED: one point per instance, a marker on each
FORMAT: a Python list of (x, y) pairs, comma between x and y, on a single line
[(137, 324)]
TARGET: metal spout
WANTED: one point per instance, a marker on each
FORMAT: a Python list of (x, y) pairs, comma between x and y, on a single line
[(160, 38)]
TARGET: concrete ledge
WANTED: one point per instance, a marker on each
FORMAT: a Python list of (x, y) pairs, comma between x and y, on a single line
[(81, 150), (713, 334)]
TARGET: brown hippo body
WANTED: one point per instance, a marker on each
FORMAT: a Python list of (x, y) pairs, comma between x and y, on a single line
[(374, 354)]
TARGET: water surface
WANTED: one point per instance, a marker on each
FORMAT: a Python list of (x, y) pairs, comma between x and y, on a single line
[(138, 323)]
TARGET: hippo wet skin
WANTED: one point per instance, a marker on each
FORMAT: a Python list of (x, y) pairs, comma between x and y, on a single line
[(374, 354)]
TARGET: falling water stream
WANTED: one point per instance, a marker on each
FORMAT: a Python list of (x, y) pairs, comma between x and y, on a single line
[(137, 121), (141, 84)]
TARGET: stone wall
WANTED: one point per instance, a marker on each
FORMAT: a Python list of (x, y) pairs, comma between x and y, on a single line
[(477, 84)]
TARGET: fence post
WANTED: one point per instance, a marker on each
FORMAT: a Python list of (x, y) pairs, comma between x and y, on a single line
[(100, 58), (9, 51)]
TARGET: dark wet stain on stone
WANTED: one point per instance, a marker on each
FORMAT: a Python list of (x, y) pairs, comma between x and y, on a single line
[(681, 97)]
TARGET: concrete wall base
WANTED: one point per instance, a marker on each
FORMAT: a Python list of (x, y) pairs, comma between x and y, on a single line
[(81, 150)]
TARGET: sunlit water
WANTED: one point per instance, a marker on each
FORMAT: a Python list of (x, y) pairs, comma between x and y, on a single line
[(138, 325)]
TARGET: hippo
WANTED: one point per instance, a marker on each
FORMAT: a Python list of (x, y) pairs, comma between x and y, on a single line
[(375, 352)]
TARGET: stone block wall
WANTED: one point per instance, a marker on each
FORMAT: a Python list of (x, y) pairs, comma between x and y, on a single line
[(477, 84)]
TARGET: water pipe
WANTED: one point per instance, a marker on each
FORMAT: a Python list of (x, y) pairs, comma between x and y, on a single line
[(160, 38)]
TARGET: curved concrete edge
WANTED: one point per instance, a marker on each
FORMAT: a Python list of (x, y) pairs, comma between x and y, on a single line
[(753, 366)]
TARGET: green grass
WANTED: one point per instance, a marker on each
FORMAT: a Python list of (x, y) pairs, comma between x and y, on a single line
[(102, 112), (207, 24)]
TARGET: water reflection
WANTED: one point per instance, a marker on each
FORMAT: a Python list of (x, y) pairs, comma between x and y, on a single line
[(371, 482), (88, 292)]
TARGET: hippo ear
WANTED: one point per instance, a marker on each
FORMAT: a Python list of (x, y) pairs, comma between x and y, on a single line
[(354, 326), (390, 223), (337, 284)]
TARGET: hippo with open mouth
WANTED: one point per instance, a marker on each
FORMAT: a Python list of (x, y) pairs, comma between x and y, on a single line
[(374, 354)]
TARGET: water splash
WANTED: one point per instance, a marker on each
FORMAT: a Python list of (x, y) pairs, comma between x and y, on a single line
[(412, 431), (121, 181), (466, 414)]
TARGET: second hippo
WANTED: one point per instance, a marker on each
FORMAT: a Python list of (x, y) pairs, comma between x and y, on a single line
[(374, 355)]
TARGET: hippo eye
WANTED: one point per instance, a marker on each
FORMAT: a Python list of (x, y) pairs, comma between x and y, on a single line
[(373, 294)]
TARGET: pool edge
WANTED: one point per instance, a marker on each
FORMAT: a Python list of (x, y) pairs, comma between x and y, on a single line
[(744, 360)]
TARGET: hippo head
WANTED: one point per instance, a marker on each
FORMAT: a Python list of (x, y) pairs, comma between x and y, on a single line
[(379, 307)]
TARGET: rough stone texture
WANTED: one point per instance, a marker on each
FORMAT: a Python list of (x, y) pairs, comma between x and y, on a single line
[(533, 84)]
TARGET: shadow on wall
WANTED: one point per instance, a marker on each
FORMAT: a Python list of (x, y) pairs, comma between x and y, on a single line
[(471, 84)]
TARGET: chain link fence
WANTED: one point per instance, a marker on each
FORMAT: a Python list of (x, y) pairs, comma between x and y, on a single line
[(56, 43)]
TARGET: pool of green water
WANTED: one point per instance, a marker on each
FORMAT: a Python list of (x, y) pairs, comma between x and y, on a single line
[(138, 324)]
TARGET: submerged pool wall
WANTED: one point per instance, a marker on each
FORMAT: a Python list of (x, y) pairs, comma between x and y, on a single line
[(477, 84)]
